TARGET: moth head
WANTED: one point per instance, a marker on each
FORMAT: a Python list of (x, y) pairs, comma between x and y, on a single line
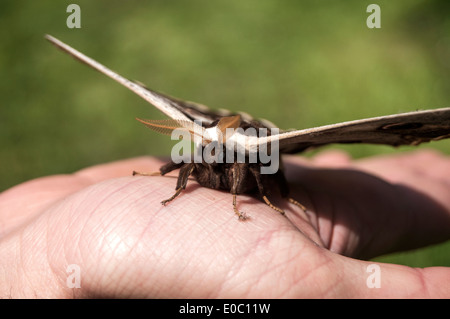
[(218, 133), (224, 128)]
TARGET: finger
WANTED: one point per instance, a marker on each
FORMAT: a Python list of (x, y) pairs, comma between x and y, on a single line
[(393, 167), (332, 159), (379, 280), (427, 171), (345, 208), (24, 201)]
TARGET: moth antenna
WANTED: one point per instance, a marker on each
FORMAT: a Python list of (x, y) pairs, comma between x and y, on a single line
[(169, 125)]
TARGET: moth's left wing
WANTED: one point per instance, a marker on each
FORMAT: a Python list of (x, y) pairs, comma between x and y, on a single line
[(410, 128), (172, 107)]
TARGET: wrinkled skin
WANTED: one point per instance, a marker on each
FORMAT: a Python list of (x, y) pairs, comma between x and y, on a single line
[(126, 244)]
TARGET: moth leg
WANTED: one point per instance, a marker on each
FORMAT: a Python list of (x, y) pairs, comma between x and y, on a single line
[(272, 205), (256, 173), (241, 216), (146, 174), (234, 190), (177, 192), (284, 189), (167, 168), (185, 172), (293, 201), (171, 166)]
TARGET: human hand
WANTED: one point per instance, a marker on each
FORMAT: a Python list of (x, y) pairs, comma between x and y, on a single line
[(127, 244)]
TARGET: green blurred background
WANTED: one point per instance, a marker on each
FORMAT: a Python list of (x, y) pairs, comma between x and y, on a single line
[(298, 63)]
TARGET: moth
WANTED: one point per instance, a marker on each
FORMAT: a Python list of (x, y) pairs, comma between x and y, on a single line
[(223, 128)]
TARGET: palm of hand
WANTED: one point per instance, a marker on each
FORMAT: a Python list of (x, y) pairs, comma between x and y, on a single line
[(127, 244)]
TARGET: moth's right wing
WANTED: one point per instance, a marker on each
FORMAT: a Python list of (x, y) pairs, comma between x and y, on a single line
[(410, 128)]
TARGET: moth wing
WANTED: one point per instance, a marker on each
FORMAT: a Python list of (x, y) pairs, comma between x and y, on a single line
[(207, 115), (410, 128), (172, 107), (401, 129), (200, 112)]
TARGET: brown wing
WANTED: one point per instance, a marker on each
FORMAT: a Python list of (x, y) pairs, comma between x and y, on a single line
[(410, 128), (401, 129), (174, 108)]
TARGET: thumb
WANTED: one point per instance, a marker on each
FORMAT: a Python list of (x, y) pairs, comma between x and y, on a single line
[(381, 280)]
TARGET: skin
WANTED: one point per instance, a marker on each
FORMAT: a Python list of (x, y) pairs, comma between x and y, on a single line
[(126, 244)]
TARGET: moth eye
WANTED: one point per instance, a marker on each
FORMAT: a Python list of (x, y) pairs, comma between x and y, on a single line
[(401, 126)]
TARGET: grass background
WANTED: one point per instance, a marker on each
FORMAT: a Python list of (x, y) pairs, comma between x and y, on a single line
[(298, 63)]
